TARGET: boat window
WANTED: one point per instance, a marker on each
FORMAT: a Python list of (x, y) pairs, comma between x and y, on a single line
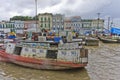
[(52, 54), (34, 50), (17, 50), (53, 44), (84, 53)]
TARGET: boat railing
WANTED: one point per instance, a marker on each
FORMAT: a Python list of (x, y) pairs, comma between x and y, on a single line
[(78, 55), (51, 45), (50, 48)]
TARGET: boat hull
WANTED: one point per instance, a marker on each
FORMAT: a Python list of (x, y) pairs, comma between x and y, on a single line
[(109, 41), (39, 63), (105, 40)]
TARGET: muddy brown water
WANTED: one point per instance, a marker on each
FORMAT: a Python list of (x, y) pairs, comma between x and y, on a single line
[(104, 64)]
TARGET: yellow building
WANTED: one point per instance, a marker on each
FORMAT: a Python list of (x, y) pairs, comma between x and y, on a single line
[(93, 24), (45, 21)]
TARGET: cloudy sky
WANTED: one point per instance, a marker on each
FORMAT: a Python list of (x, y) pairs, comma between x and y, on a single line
[(83, 8)]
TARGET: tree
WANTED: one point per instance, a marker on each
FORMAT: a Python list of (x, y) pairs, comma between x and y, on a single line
[(22, 18), (35, 17)]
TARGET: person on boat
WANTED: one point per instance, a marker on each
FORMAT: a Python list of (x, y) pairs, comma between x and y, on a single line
[(1, 36), (64, 39), (12, 35), (35, 37), (25, 35)]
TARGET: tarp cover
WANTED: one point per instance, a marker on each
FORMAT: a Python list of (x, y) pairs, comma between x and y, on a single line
[(115, 31), (11, 37), (57, 39)]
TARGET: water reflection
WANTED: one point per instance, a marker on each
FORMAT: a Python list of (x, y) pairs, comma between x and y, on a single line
[(14, 72)]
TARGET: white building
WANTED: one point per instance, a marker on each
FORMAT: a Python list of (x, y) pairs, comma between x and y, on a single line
[(73, 23)]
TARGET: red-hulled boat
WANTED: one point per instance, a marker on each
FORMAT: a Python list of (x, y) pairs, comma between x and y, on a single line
[(45, 55)]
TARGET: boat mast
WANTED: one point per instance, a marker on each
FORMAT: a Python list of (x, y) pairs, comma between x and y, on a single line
[(111, 24), (108, 23)]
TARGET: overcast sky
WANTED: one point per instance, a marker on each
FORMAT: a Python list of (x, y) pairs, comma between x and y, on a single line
[(83, 8)]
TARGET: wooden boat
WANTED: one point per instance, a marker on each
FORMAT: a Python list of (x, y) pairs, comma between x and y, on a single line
[(108, 40), (46, 55), (91, 41)]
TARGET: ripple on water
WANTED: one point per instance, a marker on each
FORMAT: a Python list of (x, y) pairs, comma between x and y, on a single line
[(15, 72), (104, 62)]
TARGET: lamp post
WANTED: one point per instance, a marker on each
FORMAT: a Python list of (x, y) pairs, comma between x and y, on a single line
[(108, 22), (58, 30), (111, 24), (36, 13), (98, 20), (62, 28), (98, 23)]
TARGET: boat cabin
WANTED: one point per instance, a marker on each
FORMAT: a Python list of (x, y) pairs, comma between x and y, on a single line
[(70, 52)]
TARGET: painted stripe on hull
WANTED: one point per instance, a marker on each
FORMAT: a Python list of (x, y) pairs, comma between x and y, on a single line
[(40, 64)]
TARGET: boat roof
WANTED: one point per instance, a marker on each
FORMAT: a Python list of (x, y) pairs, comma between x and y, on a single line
[(38, 41)]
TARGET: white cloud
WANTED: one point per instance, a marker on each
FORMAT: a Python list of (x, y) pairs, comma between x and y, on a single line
[(76, 7), (9, 8)]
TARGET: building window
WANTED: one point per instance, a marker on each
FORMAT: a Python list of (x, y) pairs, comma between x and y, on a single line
[(45, 18), (76, 24), (49, 26), (6, 25), (45, 25), (48, 19), (41, 25), (41, 19), (3, 26), (53, 20), (9, 26)]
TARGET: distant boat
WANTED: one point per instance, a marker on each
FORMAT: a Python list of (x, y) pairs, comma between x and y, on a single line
[(46, 55), (108, 40), (111, 36), (105, 40)]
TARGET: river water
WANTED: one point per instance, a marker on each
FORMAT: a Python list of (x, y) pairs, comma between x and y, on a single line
[(104, 64)]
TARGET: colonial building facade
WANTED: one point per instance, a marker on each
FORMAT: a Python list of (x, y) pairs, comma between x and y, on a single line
[(31, 26), (18, 26), (7, 26), (93, 24), (98, 24), (45, 21), (73, 23), (54, 22), (58, 22)]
